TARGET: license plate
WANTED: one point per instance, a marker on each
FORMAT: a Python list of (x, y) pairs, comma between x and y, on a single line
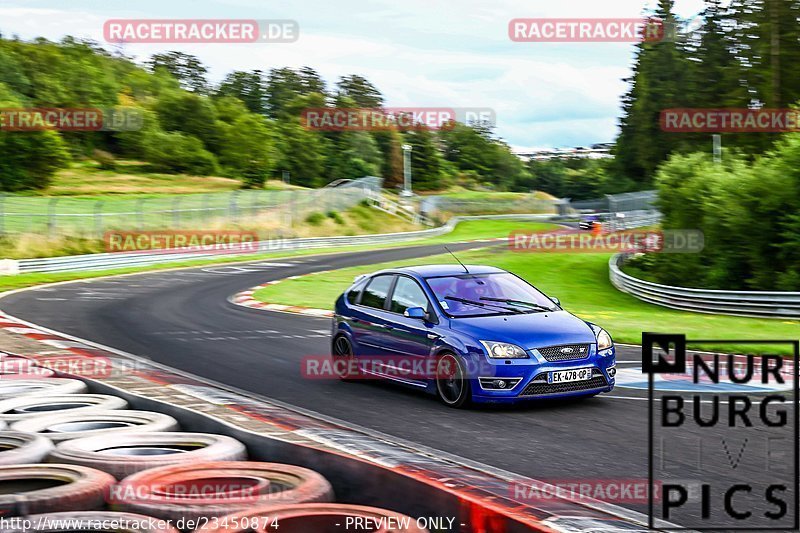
[(565, 376)]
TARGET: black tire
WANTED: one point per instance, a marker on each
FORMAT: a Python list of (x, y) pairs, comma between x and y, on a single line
[(33, 406), (342, 355), (126, 454), (19, 448), (93, 521), (68, 426), (452, 387), (52, 488)]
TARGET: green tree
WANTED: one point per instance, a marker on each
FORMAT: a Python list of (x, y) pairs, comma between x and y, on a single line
[(186, 68), (249, 87), (658, 83), (426, 161)]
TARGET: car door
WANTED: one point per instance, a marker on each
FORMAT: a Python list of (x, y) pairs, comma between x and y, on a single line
[(409, 339), (370, 318)]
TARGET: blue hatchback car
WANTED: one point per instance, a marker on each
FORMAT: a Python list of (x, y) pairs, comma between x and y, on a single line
[(468, 334)]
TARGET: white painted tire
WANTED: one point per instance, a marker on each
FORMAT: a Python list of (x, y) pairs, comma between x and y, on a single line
[(13, 387), (17, 448), (128, 453), (66, 426), (51, 488), (35, 406)]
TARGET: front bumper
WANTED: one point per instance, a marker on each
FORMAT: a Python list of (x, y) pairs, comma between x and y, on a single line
[(530, 376)]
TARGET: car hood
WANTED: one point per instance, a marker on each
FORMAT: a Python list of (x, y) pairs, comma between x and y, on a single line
[(530, 330)]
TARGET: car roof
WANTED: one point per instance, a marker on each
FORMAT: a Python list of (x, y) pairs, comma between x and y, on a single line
[(427, 271)]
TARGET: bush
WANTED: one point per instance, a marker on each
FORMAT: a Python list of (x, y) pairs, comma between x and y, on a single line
[(254, 176), (315, 219), (30, 158), (336, 217), (177, 152)]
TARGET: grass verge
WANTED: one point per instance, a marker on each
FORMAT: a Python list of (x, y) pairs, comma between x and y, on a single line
[(581, 282)]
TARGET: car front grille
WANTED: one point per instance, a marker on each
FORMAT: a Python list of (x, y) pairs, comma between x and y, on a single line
[(565, 352), (540, 387)]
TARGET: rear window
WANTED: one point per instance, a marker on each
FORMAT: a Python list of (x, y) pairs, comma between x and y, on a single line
[(376, 292)]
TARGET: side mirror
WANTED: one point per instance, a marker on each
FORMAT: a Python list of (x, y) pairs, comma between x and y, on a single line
[(556, 301), (416, 312)]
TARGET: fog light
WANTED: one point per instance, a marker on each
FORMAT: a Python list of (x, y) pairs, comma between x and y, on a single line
[(612, 371), (500, 384)]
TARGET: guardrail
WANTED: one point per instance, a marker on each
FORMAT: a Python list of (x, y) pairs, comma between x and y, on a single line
[(738, 303), (106, 261)]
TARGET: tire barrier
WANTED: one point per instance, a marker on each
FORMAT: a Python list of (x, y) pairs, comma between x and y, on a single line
[(33, 489), (14, 388), (17, 448), (68, 426), (205, 490), (90, 521), (122, 455), (314, 517), (35, 406)]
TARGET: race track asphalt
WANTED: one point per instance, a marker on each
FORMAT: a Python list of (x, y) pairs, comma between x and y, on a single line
[(183, 319)]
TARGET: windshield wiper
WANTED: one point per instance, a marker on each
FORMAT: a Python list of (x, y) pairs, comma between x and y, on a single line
[(518, 302), (505, 310)]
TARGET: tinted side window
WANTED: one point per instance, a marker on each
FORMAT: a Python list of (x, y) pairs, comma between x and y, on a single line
[(376, 292), (407, 293)]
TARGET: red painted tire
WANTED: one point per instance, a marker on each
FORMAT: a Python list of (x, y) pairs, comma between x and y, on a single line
[(92, 521), (33, 406), (125, 454), (68, 426), (14, 387), (49, 488), (17, 448), (207, 490), (312, 517)]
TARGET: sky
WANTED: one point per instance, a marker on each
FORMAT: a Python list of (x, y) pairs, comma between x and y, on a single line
[(418, 53)]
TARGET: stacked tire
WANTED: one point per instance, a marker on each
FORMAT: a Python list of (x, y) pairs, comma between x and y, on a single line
[(72, 460)]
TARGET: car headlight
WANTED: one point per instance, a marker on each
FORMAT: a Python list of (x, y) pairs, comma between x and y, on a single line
[(604, 341), (504, 350)]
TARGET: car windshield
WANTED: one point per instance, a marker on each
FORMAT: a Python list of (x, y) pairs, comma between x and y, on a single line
[(487, 294)]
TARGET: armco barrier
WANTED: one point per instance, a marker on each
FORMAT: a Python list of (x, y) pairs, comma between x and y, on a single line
[(364, 468), (740, 303), (106, 261)]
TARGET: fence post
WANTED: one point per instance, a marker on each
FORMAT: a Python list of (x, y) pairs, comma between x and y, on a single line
[(140, 213), (51, 215), (233, 208), (176, 212), (98, 218)]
